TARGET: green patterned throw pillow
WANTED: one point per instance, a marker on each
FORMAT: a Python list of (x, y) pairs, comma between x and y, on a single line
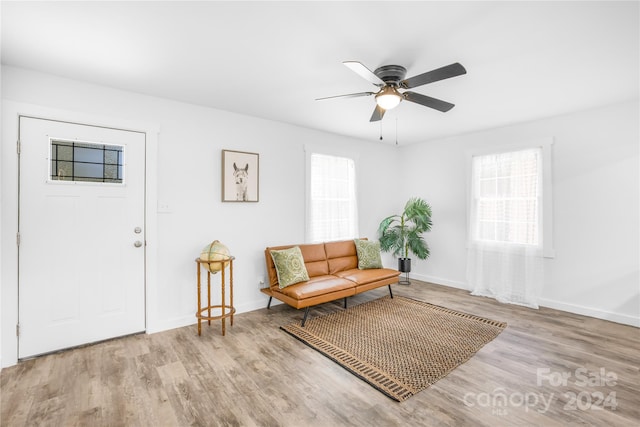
[(289, 266), (368, 254)]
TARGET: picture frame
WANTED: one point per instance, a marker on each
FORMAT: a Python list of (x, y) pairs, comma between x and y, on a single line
[(240, 176)]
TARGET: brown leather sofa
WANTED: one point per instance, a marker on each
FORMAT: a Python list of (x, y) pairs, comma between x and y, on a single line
[(333, 274)]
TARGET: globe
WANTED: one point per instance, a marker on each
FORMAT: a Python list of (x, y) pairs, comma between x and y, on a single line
[(215, 251)]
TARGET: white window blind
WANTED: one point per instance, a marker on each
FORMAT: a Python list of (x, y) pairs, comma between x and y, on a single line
[(506, 202), (332, 205)]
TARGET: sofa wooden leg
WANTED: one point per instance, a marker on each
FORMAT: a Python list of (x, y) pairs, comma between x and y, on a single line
[(345, 302), (306, 313), (390, 293), (269, 303)]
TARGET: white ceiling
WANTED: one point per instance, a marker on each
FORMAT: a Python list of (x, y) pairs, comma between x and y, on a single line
[(524, 60)]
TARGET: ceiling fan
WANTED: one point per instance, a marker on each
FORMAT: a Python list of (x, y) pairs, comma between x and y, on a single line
[(390, 79)]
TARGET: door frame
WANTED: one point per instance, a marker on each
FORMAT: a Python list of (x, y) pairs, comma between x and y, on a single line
[(9, 214)]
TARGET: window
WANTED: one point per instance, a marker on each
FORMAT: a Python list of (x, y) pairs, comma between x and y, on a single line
[(510, 223), (506, 197), (86, 161), (332, 212)]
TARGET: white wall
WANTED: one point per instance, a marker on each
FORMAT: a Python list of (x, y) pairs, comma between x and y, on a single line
[(595, 195), (189, 143), (1, 204), (596, 189)]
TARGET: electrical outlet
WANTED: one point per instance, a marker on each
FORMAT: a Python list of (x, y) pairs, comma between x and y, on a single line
[(261, 282)]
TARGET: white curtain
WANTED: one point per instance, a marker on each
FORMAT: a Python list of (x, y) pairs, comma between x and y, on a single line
[(505, 259)]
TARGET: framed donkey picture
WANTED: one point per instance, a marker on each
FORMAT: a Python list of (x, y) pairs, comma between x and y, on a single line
[(240, 176)]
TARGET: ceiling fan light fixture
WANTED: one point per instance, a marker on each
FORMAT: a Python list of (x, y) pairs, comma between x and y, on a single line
[(388, 98)]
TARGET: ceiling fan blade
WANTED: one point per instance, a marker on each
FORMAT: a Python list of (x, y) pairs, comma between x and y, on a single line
[(377, 115), (364, 72), (445, 72), (427, 101), (350, 95)]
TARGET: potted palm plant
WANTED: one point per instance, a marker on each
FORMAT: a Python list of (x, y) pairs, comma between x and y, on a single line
[(401, 234)]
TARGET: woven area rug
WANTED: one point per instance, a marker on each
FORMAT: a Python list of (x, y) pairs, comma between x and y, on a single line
[(398, 345)]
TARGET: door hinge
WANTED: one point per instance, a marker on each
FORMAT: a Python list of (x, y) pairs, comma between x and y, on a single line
[(18, 329), (18, 147), (18, 238)]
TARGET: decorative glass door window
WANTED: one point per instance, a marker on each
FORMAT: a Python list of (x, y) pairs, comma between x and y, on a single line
[(86, 161)]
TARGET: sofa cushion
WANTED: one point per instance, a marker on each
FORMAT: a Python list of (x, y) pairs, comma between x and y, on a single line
[(315, 286), (368, 254), (315, 259), (341, 255), (289, 266), (361, 277)]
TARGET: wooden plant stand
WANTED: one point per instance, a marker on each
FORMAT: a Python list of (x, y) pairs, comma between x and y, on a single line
[(226, 310)]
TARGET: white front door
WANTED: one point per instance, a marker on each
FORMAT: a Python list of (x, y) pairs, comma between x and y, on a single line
[(81, 234)]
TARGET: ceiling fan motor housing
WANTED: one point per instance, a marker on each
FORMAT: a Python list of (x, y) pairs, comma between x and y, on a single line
[(391, 74)]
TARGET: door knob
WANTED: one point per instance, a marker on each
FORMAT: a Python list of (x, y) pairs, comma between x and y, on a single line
[(137, 244)]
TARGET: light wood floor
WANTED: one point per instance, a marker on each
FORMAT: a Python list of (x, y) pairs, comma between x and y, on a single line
[(259, 376)]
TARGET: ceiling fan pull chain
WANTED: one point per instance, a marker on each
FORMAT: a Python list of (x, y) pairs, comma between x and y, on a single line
[(380, 130), (396, 131)]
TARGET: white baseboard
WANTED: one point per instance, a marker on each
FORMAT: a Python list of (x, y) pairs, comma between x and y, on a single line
[(440, 281), (591, 312), (257, 304), (190, 319), (173, 323), (544, 302)]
